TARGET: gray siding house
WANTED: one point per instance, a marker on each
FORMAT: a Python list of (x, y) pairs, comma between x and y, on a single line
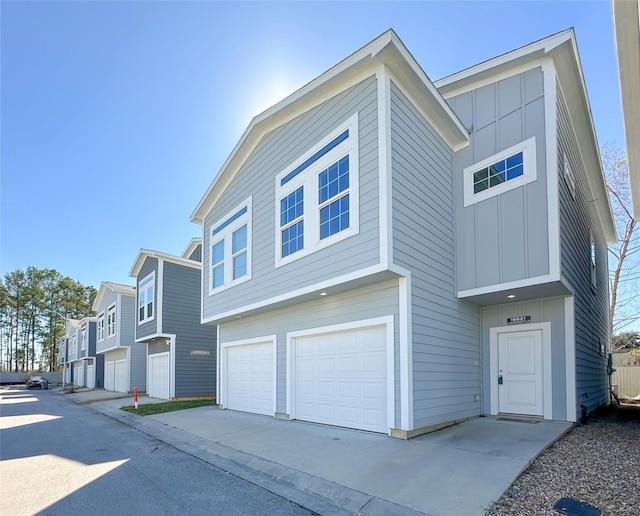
[(124, 359), (87, 368), (68, 349), (390, 254), (181, 352)]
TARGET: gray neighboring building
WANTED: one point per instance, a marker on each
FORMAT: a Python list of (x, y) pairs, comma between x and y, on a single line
[(86, 367), (388, 254), (124, 359), (181, 352)]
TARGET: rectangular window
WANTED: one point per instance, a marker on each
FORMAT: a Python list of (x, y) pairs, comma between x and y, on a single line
[(315, 193), (146, 289), (111, 321), (593, 263), (100, 326), (569, 178), (83, 338), (231, 249), (509, 169)]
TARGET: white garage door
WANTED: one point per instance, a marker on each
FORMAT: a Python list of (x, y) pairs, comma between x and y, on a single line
[(249, 383), (121, 376), (78, 377), (91, 376), (341, 379), (159, 376), (109, 376)]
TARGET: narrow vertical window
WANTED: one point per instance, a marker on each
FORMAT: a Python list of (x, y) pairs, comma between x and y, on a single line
[(593, 263), (292, 222), (333, 198), (146, 289)]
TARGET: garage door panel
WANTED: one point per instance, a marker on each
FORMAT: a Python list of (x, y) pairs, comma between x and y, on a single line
[(249, 382), (340, 379), (109, 376), (159, 376)]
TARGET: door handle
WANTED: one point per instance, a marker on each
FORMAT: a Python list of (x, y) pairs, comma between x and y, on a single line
[(500, 382)]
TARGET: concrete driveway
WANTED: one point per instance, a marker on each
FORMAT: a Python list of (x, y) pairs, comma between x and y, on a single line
[(459, 470)]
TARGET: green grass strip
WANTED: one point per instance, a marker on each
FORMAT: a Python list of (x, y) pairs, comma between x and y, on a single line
[(149, 409)]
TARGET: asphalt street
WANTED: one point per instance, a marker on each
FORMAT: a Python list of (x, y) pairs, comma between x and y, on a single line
[(61, 458)]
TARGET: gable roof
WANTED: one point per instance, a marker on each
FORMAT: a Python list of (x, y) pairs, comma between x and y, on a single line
[(143, 254), (626, 27), (562, 48), (119, 288), (191, 246), (386, 49)]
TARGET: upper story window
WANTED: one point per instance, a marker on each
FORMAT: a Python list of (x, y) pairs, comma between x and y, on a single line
[(145, 298), (100, 326), (231, 249), (317, 196), (74, 344), (83, 338), (569, 178), (111, 320), (509, 169)]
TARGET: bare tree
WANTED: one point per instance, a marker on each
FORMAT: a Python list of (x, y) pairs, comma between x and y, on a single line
[(624, 256)]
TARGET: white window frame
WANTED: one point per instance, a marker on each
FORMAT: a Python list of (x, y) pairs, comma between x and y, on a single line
[(151, 279), (530, 173), (593, 261), (111, 321), (74, 344), (569, 177), (308, 178), (226, 235), (100, 326), (83, 338)]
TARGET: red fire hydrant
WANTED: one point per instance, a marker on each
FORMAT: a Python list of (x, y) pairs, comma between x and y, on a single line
[(135, 397)]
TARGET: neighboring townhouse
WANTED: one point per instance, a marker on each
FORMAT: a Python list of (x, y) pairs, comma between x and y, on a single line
[(626, 25), (181, 352), (124, 360), (62, 354), (71, 349), (88, 368), (391, 255)]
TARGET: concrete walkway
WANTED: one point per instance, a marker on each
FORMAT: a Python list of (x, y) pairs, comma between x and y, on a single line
[(460, 470)]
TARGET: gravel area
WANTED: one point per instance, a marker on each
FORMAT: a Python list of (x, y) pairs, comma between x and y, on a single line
[(597, 463)]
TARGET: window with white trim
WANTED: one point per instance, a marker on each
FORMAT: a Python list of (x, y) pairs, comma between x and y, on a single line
[(74, 344), (317, 195), (83, 338), (100, 326), (111, 320), (569, 178), (504, 171), (230, 244), (146, 288)]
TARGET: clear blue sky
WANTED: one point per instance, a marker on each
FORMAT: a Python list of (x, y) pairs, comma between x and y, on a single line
[(116, 116)]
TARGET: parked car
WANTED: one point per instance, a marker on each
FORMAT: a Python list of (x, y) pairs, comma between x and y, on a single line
[(37, 381)]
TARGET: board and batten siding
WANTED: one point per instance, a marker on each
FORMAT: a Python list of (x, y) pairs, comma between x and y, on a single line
[(445, 331), (503, 238), (195, 343), (541, 310), (151, 327), (196, 255), (377, 300), (578, 222), (276, 151)]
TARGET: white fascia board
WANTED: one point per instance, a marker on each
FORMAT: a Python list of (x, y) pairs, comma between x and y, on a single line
[(626, 28), (195, 241), (361, 64), (147, 253), (98, 300)]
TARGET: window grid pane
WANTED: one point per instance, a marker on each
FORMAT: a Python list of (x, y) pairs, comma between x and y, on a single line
[(498, 173), (217, 253), (240, 265), (334, 217), (333, 180), (293, 238), (292, 206), (218, 276), (239, 240)]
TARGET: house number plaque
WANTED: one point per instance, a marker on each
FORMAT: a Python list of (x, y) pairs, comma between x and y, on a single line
[(521, 319)]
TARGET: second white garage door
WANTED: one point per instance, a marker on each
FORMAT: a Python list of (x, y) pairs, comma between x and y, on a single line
[(249, 384), (341, 379), (159, 376), (121, 376), (109, 376)]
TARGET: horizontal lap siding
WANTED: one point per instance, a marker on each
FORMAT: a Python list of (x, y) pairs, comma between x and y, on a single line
[(577, 217), (277, 150), (148, 328), (503, 238), (195, 353), (445, 331), (108, 299), (378, 300)]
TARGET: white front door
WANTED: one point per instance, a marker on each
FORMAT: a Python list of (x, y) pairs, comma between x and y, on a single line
[(91, 376), (520, 376)]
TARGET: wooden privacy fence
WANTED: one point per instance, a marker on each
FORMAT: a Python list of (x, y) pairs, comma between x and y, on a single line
[(626, 381)]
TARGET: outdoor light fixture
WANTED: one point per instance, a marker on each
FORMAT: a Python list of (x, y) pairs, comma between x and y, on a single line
[(511, 296), (323, 293)]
